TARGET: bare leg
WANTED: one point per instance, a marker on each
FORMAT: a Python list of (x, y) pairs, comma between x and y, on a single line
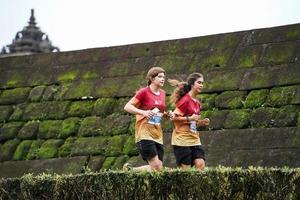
[(154, 164), (199, 163), (185, 167)]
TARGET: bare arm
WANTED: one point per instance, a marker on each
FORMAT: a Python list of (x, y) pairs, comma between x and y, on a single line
[(129, 107)]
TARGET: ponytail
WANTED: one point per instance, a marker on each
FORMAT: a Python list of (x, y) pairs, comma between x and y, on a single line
[(182, 87)]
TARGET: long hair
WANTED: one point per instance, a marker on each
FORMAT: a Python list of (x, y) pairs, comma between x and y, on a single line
[(153, 72), (183, 87)]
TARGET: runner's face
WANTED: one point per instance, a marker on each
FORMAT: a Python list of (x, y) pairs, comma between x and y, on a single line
[(159, 80), (198, 85)]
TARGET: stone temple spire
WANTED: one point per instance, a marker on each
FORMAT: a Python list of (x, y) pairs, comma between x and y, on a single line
[(30, 40)]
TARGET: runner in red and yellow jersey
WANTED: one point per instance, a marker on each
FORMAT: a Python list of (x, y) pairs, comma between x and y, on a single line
[(185, 137), (149, 106)]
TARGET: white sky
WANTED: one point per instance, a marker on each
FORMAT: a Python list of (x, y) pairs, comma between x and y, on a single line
[(78, 24)]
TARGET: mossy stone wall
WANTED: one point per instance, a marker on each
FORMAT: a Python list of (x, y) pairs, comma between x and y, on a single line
[(67, 105)]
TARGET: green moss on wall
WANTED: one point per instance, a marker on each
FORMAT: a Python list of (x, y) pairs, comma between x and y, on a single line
[(120, 106), (90, 75), (49, 129), (116, 124), (173, 63), (247, 58), (119, 162), (57, 110), (49, 92), (281, 96), (207, 101), (79, 90), (18, 112), (91, 126), (237, 119), (198, 44), (287, 116), (105, 106), (131, 128), (216, 59), (15, 79), (108, 162), (298, 124), (34, 148), (35, 111), (118, 69), (81, 108), (5, 112), (216, 81), (14, 96), (89, 146), (7, 149), (293, 33), (66, 148), (69, 75), (230, 99), (256, 98), (279, 53), (263, 117), (70, 127), (62, 90), (217, 118), (29, 130), (10, 130), (49, 149), (22, 150), (115, 145), (36, 93), (130, 147)]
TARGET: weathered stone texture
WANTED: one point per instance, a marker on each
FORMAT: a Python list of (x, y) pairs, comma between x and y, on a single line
[(71, 104)]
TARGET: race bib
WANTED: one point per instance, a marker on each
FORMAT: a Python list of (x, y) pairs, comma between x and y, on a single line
[(193, 127)]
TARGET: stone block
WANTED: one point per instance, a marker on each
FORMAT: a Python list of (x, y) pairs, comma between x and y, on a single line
[(66, 148), (263, 117), (105, 106), (207, 101), (14, 96), (89, 146), (279, 53), (22, 150), (10, 130), (73, 165), (130, 148), (115, 145), (34, 148), (36, 93), (29, 130), (256, 98), (18, 112), (280, 96), (49, 149), (91, 126), (237, 119), (81, 108), (230, 99), (49, 129), (8, 149), (5, 112), (116, 124), (70, 127)]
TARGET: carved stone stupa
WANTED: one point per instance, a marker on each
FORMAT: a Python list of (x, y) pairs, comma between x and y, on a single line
[(29, 41)]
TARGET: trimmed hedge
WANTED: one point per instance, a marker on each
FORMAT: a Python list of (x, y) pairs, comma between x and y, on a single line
[(212, 183)]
